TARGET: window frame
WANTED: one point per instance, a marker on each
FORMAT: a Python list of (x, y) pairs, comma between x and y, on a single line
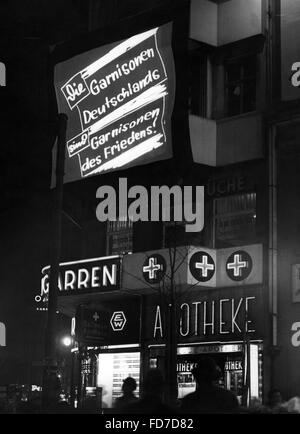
[(216, 216), (126, 230), (242, 81)]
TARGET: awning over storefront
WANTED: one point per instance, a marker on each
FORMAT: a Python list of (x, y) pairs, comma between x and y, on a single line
[(197, 266), (97, 280)]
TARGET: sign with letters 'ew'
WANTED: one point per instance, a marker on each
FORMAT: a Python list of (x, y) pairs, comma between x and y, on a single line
[(109, 323), (119, 101)]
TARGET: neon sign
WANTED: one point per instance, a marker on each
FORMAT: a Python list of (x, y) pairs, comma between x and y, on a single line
[(113, 322), (86, 276), (210, 318), (119, 101)]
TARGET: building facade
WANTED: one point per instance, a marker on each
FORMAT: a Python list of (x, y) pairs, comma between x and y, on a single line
[(284, 124), (217, 283), (233, 286)]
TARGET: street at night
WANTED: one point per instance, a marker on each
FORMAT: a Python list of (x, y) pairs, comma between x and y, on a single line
[(149, 214)]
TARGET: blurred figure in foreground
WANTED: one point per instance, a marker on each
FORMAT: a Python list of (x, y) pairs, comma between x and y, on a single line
[(128, 397), (292, 406), (275, 401), (209, 398), (152, 392)]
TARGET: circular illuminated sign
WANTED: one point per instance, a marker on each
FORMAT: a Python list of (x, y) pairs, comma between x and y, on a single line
[(154, 268), (239, 265), (202, 266)]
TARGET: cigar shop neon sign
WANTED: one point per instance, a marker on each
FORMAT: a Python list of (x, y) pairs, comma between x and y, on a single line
[(86, 276)]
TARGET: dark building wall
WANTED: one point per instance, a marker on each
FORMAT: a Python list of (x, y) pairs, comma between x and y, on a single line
[(28, 116), (287, 362), (111, 11), (28, 110), (26, 245), (23, 250)]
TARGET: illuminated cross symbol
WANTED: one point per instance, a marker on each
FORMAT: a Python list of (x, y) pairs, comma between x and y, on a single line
[(152, 268), (96, 317), (204, 266), (237, 265)]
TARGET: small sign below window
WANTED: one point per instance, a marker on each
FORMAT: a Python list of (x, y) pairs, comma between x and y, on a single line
[(235, 220), (120, 237), (240, 85)]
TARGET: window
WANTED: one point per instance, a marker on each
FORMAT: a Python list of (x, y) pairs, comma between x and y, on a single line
[(235, 220), (198, 84), (174, 234), (240, 85), (119, 237), (112, 370), (82, 7)]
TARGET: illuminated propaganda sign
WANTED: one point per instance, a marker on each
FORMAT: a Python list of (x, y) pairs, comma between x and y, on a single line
[(86, 276), (119, 102)]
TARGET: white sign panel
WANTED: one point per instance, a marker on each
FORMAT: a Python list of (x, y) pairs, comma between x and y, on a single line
[(195, 266), (2, 335)]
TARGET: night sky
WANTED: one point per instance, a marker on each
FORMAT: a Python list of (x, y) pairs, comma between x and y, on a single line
[(28, 31)]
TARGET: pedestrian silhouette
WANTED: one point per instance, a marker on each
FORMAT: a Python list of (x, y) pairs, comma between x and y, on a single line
[(209, 398), (152, 396), (275, 403), (274, 399), (128, 397)]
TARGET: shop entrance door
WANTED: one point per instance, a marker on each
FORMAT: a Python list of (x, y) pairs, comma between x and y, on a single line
[(112, 369), (232, 368)]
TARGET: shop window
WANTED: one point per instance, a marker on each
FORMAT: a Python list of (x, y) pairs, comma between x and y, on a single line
[(82, 6), (240, 85), (235, 220), (112, 370), (198, 84), (173, 234), (119, 237), (185, 380)]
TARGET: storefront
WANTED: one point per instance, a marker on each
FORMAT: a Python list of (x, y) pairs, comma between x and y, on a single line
[(108, 332), (226, 325), (220, 312), (231, 360), (105, 326), (119, 306)]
